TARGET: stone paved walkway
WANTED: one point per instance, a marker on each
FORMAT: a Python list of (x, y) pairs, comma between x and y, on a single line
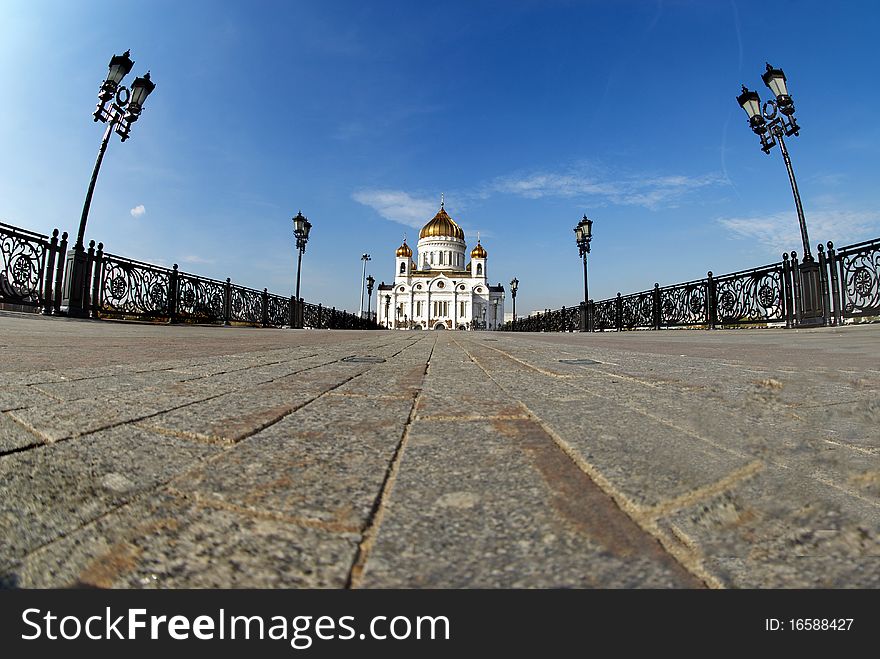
[(143, 456)]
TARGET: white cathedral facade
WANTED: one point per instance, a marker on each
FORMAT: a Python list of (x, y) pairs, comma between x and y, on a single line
[(440, 290)]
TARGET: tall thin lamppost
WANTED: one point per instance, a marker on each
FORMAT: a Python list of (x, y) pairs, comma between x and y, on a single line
[(364, 257), (301, 229), (387, 305), (495, 321), (118, 107), (583, 233), (484, 318), (370, 282), (772, 123), (514, 285)]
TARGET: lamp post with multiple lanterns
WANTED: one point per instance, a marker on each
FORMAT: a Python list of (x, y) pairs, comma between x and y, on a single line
[(118, 107), (772, 123), (514, 284), (370, 282), (583, 233), (364, 257), (301, 229)]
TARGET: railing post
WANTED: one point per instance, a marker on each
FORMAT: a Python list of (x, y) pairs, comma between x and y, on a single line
[(47, 274), (87, 280), (97, 276), (711, 300), (227, 302), (172, 295), (582, 317), (618, 312), (655, 306), (787, 294), (823, 286), (796, 276), (59, 274), (835, 286)]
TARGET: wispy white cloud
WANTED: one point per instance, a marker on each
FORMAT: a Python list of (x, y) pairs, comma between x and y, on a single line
[(398, 206), (780, 231), (138, 211), (194, 258), (633, 190)]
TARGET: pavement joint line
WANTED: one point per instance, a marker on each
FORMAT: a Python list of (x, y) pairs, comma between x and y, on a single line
[(136, 420), (202, 438), (217, 504), (645, 522), (355, 394), (54, 397), (472, 417), (371, 530), (867, 451), (694, 496)]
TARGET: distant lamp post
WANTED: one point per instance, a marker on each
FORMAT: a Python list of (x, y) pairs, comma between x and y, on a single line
[(772, 122), (583, 234), (370, 282), (364, 257), (484, 317), (301, 229), (495, 321), (118, 107), (514, 284), (387, 305)]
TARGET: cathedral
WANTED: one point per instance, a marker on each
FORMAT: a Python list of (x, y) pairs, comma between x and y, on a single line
[(439, 290)]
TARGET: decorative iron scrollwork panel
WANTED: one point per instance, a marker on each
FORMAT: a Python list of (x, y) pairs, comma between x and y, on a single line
[(605, 314), (860, 280), (246, 305), (22, 268), (749, 297), (133, 289), (684, 304), (279, 311), (200, 299), (637, 310)]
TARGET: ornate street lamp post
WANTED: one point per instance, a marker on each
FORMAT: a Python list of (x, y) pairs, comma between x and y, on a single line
[(495, 321), (484, 317), (387, 305), (583, 233), (364, 257), (301, 229), (370, 282), (772, 123), (118, 107), (514, 284)]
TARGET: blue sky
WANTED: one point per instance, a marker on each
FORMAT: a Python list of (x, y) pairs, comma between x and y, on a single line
[(525, 114)]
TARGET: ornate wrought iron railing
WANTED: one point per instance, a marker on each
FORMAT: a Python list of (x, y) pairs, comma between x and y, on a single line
[(764, 296), (31, 268), (125, 288), (855, 279)]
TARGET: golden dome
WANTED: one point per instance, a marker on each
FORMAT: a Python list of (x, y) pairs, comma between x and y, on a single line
[(404, 250), (478, 252), (442, 225)]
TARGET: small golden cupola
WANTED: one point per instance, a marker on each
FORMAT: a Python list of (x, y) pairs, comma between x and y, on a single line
[(478, 252), (404, 251)]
